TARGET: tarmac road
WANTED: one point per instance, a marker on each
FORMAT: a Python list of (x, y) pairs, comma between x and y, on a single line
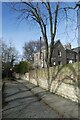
[(20, 102)]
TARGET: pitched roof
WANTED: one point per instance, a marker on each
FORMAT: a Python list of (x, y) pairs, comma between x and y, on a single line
[(70, 50), (77, 49)]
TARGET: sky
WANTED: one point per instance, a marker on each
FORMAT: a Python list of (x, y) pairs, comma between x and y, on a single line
[(15, 31), (0, 20), (20, 32), (79, 27)]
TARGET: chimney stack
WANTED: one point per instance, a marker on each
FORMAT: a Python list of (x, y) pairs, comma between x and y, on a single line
[(68, 46), (40, 47)]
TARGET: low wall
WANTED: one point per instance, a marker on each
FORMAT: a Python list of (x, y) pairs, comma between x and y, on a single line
[(63, 80)]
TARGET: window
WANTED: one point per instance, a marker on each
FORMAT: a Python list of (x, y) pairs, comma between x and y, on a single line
[(67, 61), (36, 56), (41, 55), (59, 53), (59, 63), (42, 64), (70, 61), (54, 63)]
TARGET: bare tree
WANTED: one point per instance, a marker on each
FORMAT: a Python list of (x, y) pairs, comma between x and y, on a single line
[(47, 15), (30, 47), (43, 13), (9, 56)]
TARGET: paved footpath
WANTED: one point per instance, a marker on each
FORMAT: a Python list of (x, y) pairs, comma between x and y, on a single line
[(20, 102), (64, 107)]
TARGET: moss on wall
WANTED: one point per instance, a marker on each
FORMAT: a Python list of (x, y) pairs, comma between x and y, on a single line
[(67, 73), (63, 79)]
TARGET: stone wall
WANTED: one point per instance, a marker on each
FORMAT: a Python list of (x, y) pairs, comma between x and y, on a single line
[(63, 80)]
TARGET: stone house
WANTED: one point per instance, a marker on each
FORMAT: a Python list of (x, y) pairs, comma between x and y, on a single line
[(39, 58), (61, 55), (77, 50), (71, 56)]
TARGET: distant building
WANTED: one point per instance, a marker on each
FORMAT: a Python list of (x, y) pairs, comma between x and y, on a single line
[(61, 55), (39, 58), (71, 56), (77, 50)]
